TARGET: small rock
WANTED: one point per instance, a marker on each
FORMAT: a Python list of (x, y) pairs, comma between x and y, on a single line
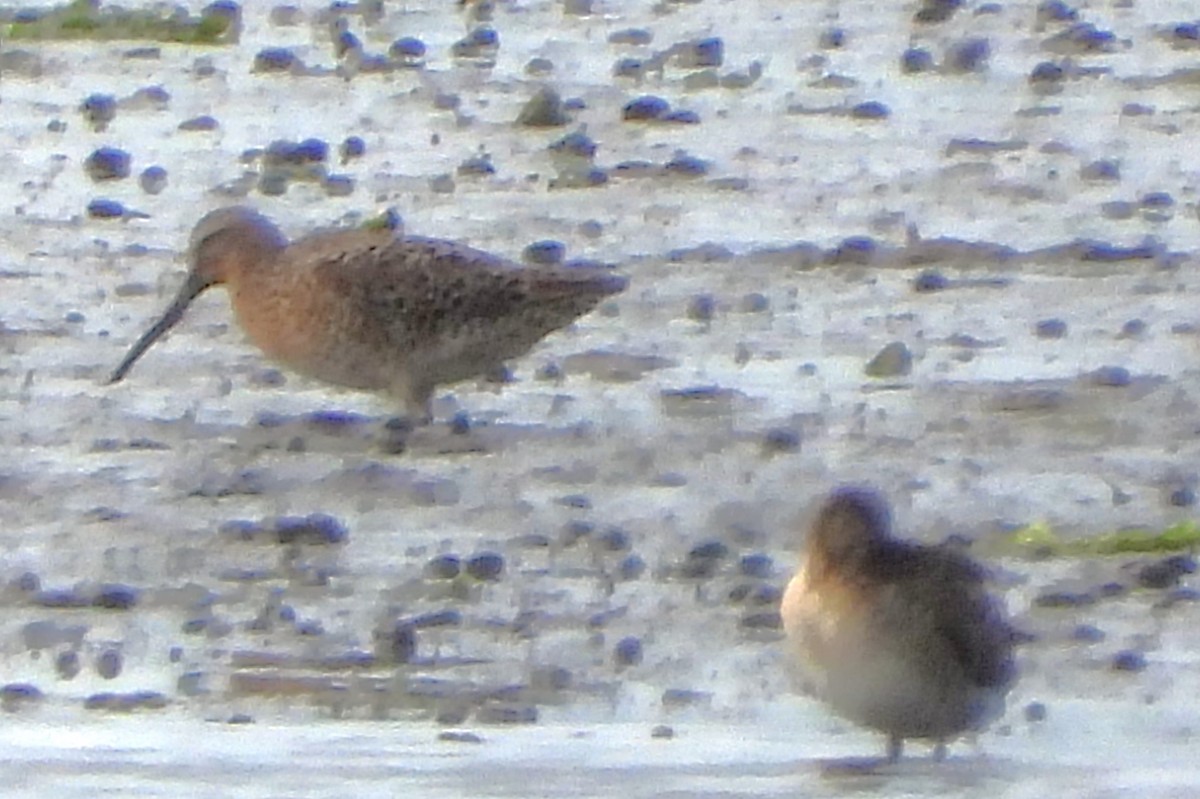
[(66, 665), (916, 60), (1183, 497), (409, 51), (276, 59), (547, 252), (107, 163), (200, 124), (543, 110), (970, 55), (1166, 573), (481, 42), (352, 147), (1111, 376), (485, 566), (758, 565), (647, 107), (1104, 169), (1035, 712), (894, 360), (116, 597), (930, 281), (316, 528), (109, 664), (1129, 660), (1050, 329), (870, 110), (934, 11), (700, 54), (631, 36), (662, 732), (628, 652), (98, 110), (153, 179), (781, 440)]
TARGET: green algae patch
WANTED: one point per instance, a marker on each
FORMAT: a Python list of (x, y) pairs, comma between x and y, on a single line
[(89, 20), (1040, 540)]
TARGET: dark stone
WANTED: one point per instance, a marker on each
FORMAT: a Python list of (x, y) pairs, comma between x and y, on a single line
[(485, 566), (1166, 573), (930, 281), (870, 110), (153, 179), (116, 597), (576, 144), (316, 528), (781, 439), (1104, 169), (933, 11), (1063, 599), (916, 60), (647, 107), (1087, 634), (1183, 497), (1111, 376), (757, 565), (684, 165), (275, 59), (547, 252), (99, 110), (631, 567), (1051, 328), (970, 55), (1047, 72), (109, 664), (628, 652), (107, 163), (1129, 660), (1035, 712)]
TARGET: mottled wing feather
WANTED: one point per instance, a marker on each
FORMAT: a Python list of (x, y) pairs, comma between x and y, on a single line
[(952, 589), (415, 289)]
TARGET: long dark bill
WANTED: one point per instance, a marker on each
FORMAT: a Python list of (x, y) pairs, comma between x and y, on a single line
[(191, 289)]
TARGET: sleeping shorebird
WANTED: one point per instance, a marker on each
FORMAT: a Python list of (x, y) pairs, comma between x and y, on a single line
[(893, 635), (372, 311)]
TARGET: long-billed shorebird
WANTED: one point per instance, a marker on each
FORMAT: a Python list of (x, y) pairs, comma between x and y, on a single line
[(896, 636), (368, 310)]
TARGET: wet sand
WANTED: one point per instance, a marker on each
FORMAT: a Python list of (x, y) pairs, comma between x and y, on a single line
[(643, 477)]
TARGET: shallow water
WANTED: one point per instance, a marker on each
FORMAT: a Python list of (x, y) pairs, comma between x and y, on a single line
[(671, 427)]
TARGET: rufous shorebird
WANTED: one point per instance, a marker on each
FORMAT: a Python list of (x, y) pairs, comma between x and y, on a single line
[(896, 636), (370, 310)]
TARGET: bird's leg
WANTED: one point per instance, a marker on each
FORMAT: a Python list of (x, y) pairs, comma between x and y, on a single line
[(894, 747)]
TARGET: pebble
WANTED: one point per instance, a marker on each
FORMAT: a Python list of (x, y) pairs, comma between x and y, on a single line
[(636, 37), (480, 42), (1182, 497), (930, 281), (1111, 376), (934, 11), (109, 664), (628, 652), (116, 596), (894, 360), (98, 110), (779, 440), (701, 53), (316, 528), (663, 732), (644, 108), (66, 665), (969, 55), (758, 565), (276, 59), (107, 163), (1104, 169), (1050, 329), (202, 124), (916, 60), (15, 695), (543, 110), (1166, 573), (485, 566), (443, 567), (1035, 712), (1129, 660), (547, 252), (153, 179), (870, 110), (408, 50)]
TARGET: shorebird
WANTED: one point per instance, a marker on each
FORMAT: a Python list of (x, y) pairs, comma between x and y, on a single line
[(896, 636), (372, 311)]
